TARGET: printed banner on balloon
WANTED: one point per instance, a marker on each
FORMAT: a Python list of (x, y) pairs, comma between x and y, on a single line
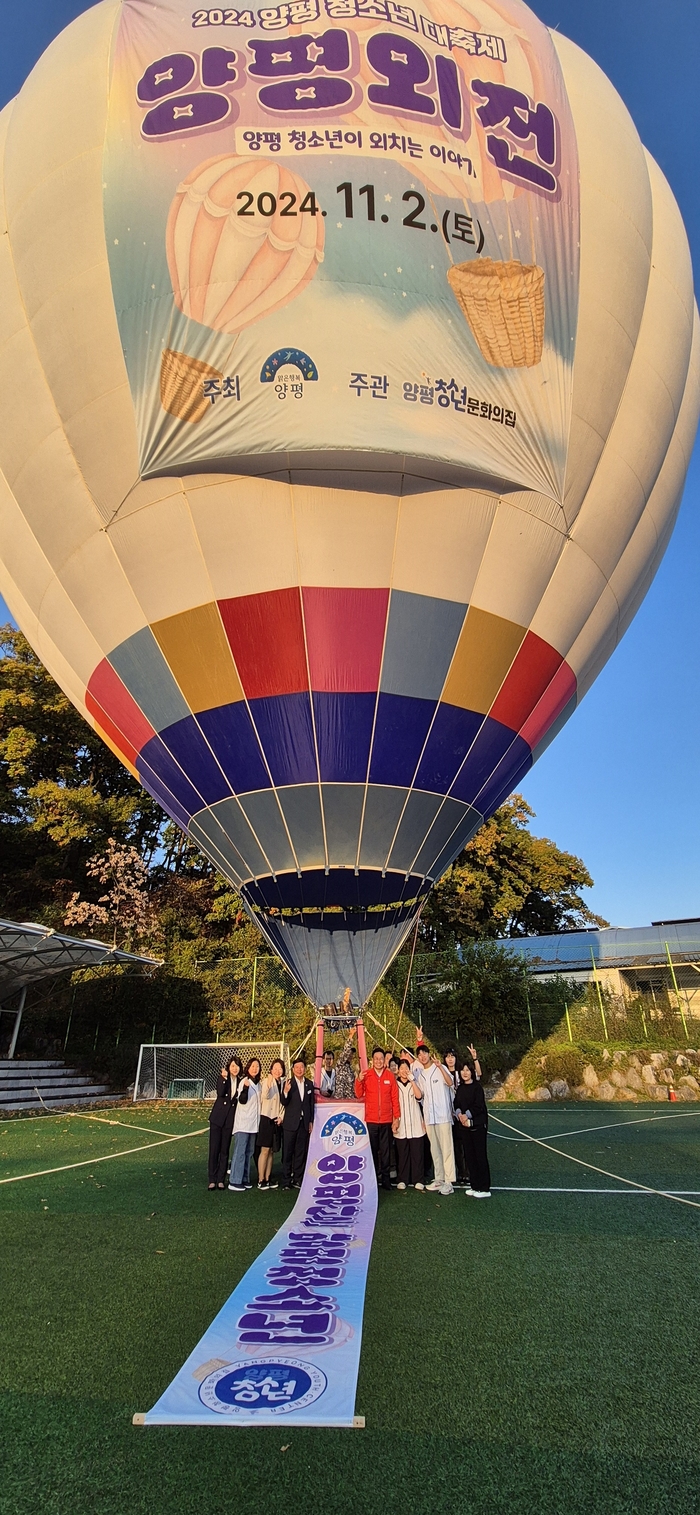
[(286, 1345), (348, 219)]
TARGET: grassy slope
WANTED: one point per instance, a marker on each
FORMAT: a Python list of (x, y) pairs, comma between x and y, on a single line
[(534, 1354)]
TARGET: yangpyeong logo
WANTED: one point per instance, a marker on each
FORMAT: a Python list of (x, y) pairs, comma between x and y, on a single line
[(343, 1129)]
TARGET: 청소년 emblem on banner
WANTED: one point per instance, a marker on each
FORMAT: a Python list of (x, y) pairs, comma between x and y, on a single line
[(273, 1387)]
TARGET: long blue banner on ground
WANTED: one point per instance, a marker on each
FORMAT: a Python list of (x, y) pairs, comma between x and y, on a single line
[(286, 1345)]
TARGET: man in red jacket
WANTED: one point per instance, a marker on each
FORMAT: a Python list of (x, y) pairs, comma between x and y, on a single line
[(377, 1087)]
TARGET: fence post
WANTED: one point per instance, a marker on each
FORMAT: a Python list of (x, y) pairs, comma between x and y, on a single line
[(678, 993), (527, 999), (529, 1012), (600, 997), (252, 997)]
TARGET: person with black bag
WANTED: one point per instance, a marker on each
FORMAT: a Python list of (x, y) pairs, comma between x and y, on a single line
[(472, 1115), (221, 1118), (298, 1099)]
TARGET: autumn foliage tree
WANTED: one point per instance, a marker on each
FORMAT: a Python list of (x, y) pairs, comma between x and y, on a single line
[(63, 794), (508, 882)]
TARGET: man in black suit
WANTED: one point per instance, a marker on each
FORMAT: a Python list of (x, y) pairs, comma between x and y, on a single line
[(297, 1125)]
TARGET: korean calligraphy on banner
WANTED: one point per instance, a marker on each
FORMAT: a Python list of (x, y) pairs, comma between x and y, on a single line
[(287, 1342), (266, 174)]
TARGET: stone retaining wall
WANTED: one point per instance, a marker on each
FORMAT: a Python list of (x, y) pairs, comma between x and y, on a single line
[(628, 1077)]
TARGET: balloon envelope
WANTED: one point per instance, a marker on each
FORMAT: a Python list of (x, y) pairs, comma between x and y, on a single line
[(329, 548)]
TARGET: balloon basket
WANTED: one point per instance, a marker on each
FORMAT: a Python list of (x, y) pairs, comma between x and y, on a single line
[(503, 304), (182, 385)]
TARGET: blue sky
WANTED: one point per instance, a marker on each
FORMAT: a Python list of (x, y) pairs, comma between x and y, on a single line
[(618, 785)]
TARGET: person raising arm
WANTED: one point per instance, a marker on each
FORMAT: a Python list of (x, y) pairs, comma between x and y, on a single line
[(435, 1084), (221, 1118), (472, 1114), (298, 1100), (377, 1087)]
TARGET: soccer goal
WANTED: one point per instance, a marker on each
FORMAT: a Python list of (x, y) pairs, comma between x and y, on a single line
[(189, 1070)]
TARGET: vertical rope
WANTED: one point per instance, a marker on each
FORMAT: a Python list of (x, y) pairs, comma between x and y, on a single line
[(410, 966)]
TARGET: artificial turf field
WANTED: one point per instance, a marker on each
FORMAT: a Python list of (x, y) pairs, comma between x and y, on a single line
[(534, 1353)]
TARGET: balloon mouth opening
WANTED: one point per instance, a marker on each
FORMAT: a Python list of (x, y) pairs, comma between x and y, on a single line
[(339, 900)]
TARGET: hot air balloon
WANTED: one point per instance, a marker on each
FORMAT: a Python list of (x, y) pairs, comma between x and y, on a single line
[(329, 572), (226, 272)]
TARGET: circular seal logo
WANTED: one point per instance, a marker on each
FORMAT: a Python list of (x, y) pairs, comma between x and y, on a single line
[(344, 1130), (262, 1385)]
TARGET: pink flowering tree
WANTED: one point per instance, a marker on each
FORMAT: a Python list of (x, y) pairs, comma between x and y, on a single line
[(125, 907)]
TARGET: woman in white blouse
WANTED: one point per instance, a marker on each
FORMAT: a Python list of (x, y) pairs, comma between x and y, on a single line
[(409, 1137), (269, 1133)]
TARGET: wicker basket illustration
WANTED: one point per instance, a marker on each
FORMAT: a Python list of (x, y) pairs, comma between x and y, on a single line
[(182, 385), (504, 306)]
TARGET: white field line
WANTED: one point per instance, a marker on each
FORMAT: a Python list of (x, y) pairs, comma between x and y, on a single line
[(646, 1188), (52, 1114), (626, 1193), (556, 1136), (126, 1124), (89, 1162), (80, 1115)]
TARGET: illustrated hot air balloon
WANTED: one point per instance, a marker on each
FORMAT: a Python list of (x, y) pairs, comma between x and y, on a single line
[(229, 270), (332, 602)]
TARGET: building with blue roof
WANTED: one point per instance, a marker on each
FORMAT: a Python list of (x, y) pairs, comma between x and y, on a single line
[(626, 960)]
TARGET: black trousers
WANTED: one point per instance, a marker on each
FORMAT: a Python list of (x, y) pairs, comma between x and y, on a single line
[(380, 1142), (410, 1160), (477, 1160), (295, 1145), (459, 1138), (219, 1147)]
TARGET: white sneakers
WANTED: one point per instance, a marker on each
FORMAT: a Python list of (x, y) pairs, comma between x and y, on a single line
[(478, 1193), (446, 1189), (420, 1186), (401, 1186), (433, 1186)]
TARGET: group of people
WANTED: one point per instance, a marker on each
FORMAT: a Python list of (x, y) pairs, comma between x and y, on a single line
[(261, 1114), (426, 1111), (421, 1113)]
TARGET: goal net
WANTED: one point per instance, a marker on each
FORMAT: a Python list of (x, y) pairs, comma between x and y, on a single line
[(189, 1070)]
